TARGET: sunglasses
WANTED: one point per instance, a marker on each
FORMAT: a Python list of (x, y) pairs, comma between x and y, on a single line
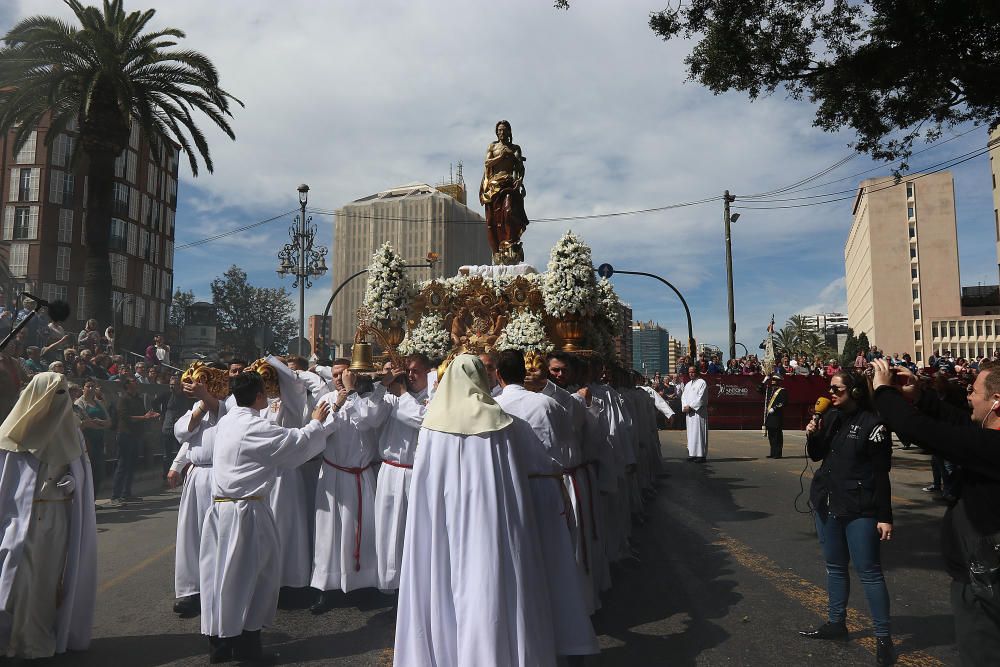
[(833, 389)]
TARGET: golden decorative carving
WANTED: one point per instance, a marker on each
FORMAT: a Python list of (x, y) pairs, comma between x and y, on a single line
[(272, 388), (215, 380)]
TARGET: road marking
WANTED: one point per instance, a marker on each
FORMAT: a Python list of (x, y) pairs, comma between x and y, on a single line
[(810, 596), (135, 569)]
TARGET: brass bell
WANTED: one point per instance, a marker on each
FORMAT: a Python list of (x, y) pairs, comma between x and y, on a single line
[(361, 358)]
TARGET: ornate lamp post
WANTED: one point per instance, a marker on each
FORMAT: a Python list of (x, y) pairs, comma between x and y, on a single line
[(301, 260)]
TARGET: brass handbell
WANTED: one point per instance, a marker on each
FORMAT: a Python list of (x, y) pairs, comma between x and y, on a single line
[(361, 358)]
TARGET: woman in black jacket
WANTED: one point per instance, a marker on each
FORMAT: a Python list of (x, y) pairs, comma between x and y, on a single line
[(851, 497)]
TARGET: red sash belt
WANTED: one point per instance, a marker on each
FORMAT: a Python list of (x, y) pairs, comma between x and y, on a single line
[(397, 464), (357, 526)]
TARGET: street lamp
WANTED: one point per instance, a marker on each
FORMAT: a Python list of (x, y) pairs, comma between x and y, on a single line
[(729, 219), (300, 259)]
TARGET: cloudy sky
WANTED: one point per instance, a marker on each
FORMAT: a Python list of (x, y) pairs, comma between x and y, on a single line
[(355, 97)]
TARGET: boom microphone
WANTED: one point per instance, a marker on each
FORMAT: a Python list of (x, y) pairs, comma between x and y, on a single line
[(58, 310)]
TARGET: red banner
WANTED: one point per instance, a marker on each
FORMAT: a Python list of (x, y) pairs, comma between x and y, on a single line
[(735, 403)]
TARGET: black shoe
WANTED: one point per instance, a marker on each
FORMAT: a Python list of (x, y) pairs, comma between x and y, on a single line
[(931, 489), (323, 604), (220, 649), (700, 459), (188, 607), (827, 631), (885, 652)]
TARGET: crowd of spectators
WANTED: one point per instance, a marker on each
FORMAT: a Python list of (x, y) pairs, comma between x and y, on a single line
[(119, 419)]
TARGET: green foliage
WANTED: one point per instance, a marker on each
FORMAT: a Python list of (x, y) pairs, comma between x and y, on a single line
[(243, 311), (851, 348), (178, 308), (863, 343), (890, 70)]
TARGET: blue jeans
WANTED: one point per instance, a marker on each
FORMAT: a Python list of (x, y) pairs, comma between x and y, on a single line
[(846, 540), (128, 452)]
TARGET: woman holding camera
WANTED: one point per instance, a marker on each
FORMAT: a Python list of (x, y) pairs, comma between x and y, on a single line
[(851, 497)]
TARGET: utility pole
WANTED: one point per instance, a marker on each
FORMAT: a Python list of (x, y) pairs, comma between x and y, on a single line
[(727, 199)]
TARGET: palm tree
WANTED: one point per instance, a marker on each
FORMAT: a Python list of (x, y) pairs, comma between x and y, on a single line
[(107, 73)]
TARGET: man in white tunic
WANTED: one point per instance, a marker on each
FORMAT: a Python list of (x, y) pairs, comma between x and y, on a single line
[(473, 588), (694, 405), (195, 431), (574, 634), (344, 555), (240, 564), (48, 533), (405, 402)]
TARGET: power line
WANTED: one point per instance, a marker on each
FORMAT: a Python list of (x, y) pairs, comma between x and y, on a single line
[(244, 228)]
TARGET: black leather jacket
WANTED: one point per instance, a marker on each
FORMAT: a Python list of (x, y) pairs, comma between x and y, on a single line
[(853, 481)]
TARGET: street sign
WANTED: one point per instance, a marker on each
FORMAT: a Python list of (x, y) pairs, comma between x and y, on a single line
[(606, 271)]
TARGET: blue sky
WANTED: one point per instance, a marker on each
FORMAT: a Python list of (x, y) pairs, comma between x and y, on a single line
[(354, 97)]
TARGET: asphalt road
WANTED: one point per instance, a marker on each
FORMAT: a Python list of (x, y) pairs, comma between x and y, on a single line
[(728, 572)]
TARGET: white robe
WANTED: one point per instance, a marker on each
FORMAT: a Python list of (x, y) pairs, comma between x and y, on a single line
[(240, 566), (344, 555), (695, 397), (579, 487), (574, 633), (397, 445), (473, 588), (195, 454), (31, 565)]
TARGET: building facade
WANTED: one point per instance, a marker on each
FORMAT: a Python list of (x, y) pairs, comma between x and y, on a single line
[(43, 231), (416, 219), (313, 333), (902, 268), (650, 348)]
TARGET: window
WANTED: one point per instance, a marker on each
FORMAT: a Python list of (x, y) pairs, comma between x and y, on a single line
[(911, 212), (916, 293), (62, 262), (133, 204), (119, 269), (128, 313), (19, 260), (989, 327), (140, 310), (961, 328), (916, 334), (913, 272), (24, 182), (81, 302), (133, 239), (52, 292), (909, 190), (20, 223), (61, 186), (916, 313), (934, 329), (120, 199), (119, 235), (65, 225), (131, 167), (62, 150), (920, 357), (152, 316), (913, 231), (83, 229), (120, 164), (979, 328), (951, 329), (27, 153), (133, 135), (143, 243), (147, 279), (913, 252)]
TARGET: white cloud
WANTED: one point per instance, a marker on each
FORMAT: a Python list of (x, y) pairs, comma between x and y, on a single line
[(831, 299)]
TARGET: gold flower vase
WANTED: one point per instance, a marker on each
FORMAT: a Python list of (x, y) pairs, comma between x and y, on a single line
[(570, 329)]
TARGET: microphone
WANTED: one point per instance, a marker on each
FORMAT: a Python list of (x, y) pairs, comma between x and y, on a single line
[(58, 310), (821, 406)]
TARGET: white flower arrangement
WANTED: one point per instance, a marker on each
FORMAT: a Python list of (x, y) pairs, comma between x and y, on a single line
[(525, 331), (568, 285), (609, 306), (429, 337), (388, 293)]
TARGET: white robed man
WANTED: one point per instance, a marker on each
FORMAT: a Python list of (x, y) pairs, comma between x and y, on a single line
[(473, 588), (293, 511), (48, 539), (574, 633), (405, 403), (694, 405), (240, 565), (344, 555), (192, 465), (581, 475)]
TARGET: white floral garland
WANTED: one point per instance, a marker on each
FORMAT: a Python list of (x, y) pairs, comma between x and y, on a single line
[(387, 296), (569, 285), (429, 337), (525, 331)]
